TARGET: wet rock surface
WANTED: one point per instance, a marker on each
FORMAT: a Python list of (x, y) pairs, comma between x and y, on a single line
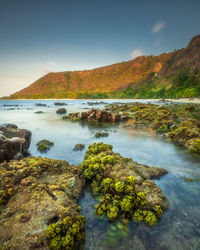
[(34, 193), (96, 115), (14, 142)]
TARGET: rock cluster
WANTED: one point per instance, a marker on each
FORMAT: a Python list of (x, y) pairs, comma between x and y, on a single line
[(96, 115), (14, 142)]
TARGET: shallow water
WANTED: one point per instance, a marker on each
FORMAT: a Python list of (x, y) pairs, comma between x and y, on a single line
[(179, 227)]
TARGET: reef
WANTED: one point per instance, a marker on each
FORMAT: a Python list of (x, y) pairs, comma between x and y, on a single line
[(38, 204), (95, 115), (44, 145), (14, 142), (123, 186)]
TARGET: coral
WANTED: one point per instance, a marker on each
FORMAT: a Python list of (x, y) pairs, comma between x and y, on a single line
[(66, 234)]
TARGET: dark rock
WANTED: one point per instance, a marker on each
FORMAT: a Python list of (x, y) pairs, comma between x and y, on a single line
[(14, 142), (40, 105), (96, 115), (61, 111), (79, 147), (39, 112), (60, 103), (101, 134)]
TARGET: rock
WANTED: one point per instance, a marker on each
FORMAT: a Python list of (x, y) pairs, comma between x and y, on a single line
[(44, 145), (14, 142), (40, 105), (96, 103), (124, 187), (39, 112), (61, 111), (60, 103), (96, 115), (101, 134), (34, 193), (79, 147)]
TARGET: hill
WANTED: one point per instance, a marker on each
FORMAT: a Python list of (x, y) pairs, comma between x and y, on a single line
[(174, 74)]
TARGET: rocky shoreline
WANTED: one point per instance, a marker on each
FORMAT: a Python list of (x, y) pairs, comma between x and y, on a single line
[(39, 196)]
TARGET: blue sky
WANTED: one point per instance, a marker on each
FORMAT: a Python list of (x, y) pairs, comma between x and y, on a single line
[(41, 36)]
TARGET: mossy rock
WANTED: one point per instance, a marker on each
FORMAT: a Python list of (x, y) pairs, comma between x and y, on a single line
[(122, 186), (44, 145)]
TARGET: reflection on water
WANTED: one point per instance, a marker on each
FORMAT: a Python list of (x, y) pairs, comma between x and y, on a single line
[(179, 227)]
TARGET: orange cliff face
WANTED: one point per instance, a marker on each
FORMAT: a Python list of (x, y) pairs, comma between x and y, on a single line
[(110, 78)]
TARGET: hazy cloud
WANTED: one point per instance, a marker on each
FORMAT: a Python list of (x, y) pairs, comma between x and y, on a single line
[(136, 53), (158, 27)]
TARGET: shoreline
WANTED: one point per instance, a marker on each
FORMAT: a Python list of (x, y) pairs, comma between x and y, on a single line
[(180, 100)]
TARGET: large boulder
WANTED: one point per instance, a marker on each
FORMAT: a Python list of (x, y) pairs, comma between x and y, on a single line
[(34, 193), (14, 142)]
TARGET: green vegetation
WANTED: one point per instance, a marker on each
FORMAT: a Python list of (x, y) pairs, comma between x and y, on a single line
[(182, 85), (66, 234)]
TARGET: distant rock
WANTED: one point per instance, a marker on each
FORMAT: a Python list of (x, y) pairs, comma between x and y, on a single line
[(39, 112), (14, 142), (40, 105), (96, 115), (61, 111), (101, 134), (60, 103), (79, 147)]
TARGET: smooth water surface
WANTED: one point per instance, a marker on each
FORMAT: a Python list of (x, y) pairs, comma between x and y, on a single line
[(179, 227)]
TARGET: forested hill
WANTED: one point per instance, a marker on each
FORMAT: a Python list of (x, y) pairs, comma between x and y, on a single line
[(174, 74)]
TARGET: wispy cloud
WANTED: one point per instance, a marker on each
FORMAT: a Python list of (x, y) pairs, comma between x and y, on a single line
[(158, 27), (136, 53)]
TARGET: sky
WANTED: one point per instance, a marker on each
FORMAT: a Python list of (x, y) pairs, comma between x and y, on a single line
[(42, 36)]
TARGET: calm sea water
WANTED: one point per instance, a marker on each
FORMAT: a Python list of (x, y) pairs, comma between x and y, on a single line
[(179, 227)]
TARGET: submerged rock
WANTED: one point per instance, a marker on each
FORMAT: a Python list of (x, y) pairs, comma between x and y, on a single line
[(14, 142), (79, 147), (39, 112), (101, 134), (61, 111), (44, 145), (34, 193)]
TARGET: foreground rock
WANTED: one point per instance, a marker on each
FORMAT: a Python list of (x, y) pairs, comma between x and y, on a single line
[(123, 186), (96, 115), (34, 193), (14, 142)]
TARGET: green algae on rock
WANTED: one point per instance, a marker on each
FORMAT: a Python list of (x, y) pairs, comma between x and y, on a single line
[(44, 145), (35, 193), (66, 234), (123, 187)]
